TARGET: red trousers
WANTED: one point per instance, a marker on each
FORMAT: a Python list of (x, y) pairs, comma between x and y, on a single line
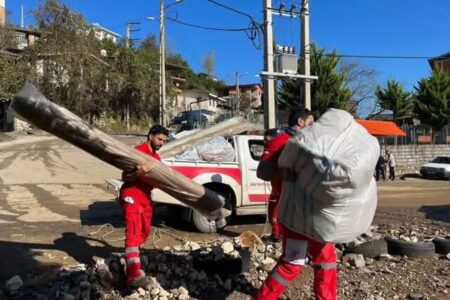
[(138, 214), (272, 211), (295, 249)]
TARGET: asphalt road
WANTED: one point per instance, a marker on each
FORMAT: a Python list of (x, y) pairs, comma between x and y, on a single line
[(53, 202)]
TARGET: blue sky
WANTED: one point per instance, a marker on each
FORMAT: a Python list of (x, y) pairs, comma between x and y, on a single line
[(353, 27)]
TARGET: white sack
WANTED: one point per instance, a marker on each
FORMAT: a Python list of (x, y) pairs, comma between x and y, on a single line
[(334, 196), (216, 149)]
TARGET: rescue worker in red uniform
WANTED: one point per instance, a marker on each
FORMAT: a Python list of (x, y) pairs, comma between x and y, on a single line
[(295, 245), (270, 134), (137, 206)]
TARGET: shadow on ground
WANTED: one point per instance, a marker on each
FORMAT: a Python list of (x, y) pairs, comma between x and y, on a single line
[(28, 259), (410, 175), (437, 212)]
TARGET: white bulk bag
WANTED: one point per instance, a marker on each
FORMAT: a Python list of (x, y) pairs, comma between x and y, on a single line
[(333, 196)]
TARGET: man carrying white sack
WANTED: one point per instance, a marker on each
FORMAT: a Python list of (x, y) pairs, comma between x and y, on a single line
[(328, 196)]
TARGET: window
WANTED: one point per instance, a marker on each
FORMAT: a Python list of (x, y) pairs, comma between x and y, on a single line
[(256, 149)]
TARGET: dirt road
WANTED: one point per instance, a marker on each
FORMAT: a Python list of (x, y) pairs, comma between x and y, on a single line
[(53, 197)]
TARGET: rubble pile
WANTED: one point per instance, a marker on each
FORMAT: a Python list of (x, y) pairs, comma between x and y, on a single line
[(414, 231), (223, 269)]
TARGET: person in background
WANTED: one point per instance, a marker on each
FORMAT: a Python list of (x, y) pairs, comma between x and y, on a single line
[(380, 168), (137, 206), (390, 160), (268, 166)]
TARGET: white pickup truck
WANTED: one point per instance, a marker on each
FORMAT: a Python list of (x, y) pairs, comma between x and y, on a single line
[(245, 194)]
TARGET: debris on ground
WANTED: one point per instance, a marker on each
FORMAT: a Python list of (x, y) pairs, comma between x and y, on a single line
[(224, 269)]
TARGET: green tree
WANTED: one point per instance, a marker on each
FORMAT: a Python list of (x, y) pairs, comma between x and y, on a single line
[(12, 67), (72, 71), (432, 100), (329, 91), (209, 63), (394, 98)]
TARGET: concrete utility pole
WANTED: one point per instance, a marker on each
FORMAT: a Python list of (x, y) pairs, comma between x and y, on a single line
[(238, 92), (22, 22), (162, 64), (305, 46), (128, 45), (268, 82)]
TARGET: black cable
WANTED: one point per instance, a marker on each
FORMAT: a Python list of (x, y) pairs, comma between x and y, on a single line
[(206, 27), (381, 56), (230, 8), (374, 56)]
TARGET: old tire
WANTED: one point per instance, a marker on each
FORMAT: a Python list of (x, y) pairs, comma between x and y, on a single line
[(442, 245), (203, 224), (370, 249), (410, 249)]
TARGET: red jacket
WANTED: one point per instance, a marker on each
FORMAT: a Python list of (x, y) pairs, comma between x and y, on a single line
[(137, 189), (272, 151)]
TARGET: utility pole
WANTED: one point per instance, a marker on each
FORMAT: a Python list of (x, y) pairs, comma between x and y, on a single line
[(238, 92), (268, 82), (162, 64), (128, 45), (22, 23), (305, 46)]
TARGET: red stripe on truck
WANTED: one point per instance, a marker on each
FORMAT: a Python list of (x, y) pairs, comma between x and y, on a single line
[(193, 172), (259, 197)]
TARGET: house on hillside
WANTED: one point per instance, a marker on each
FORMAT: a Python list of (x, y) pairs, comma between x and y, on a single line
[(250, 95), (442, 61), (197, 99), (102, 33)]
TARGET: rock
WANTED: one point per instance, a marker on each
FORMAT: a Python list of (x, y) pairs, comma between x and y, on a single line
[(183, 291), (415, 296), (68, 297), (141, 291), (386, 256), (267, 264), (194, 246), (227, 285), (227, 247), (183, 297), (14, 283), (356, 260), (448, 256), (155, 291)]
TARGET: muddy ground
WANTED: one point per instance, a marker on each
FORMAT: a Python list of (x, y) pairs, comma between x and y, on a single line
[(53, 203)]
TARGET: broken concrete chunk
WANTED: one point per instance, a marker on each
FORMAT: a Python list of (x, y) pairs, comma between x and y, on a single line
[(14, 283), (227, 247)]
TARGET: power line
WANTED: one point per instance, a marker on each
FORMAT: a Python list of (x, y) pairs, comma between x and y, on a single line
[(232, 9), (206, 27), (378, 56), (253, 31)]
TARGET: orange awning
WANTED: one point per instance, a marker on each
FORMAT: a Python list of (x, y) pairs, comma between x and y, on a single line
[(381, 127)]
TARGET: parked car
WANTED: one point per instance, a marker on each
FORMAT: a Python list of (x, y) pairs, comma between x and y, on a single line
[(224, 117), (191, 119), (437, 168)]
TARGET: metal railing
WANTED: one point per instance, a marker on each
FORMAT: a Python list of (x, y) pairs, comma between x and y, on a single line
[(418, 135)]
